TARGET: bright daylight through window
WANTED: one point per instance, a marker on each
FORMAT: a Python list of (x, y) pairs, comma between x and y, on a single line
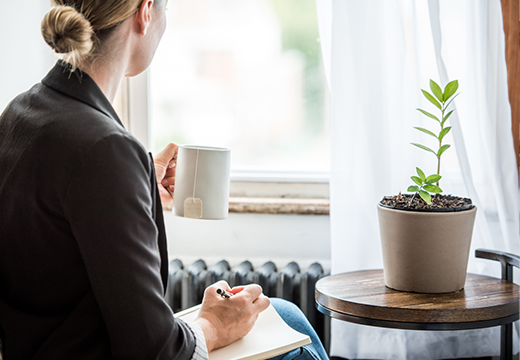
[(247, 75)]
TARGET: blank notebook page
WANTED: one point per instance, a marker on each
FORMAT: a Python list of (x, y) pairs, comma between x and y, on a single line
[(269, 337)]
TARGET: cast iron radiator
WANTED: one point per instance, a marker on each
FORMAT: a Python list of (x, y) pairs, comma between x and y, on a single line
[(186, 285)]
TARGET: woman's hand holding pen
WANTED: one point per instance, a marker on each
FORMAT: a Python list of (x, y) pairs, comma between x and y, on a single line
[(165, 163), (226, 319)]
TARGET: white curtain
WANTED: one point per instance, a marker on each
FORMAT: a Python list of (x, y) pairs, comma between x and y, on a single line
[(378, 55)]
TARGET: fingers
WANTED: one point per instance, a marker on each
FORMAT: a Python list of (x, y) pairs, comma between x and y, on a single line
[(222, 284), (166, 160), (236, 289), (165, 167), (168, 181), (169, 175), (169, 151), (211, 290), (252, 292), (166, 198), (261, 303)]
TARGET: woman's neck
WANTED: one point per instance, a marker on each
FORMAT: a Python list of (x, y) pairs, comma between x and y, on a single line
[(108, 71), (107, 76)]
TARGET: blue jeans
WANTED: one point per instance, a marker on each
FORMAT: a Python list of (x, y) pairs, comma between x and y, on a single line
[(294, 317)]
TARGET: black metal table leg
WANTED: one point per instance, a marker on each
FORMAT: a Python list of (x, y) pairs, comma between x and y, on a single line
[(506, 342)]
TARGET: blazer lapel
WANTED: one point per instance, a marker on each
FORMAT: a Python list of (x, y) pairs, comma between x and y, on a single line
[(159, 222), (80, 86)]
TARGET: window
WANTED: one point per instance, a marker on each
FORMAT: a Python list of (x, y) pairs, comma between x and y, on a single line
[(247, 75)]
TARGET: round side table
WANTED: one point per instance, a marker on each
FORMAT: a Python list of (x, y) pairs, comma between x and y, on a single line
[(361, 297)]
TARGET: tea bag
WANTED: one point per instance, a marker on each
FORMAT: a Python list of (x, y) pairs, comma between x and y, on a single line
[(193, 208)]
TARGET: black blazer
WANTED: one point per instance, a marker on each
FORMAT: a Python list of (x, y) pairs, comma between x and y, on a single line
[(82, 243)]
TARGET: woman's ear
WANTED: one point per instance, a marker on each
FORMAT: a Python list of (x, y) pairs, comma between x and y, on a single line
[(144, 16)]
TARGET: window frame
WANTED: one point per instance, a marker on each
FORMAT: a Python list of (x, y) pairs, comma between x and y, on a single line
[(273, 192)]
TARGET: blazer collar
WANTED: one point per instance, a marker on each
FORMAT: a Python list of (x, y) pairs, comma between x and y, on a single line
[(80, 86)]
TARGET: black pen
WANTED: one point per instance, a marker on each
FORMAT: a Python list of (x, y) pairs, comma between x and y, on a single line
[(225, 294)]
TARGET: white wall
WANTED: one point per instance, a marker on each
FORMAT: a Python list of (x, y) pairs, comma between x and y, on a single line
[(25, 58), (254, 237)]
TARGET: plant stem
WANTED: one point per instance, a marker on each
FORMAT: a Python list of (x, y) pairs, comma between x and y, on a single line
[(411, 200), (439, 164), (440, 143)]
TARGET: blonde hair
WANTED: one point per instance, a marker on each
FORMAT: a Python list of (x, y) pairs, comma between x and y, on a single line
[(77, 28)]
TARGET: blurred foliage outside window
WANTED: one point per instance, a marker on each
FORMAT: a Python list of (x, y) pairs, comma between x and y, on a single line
[(247, 75)]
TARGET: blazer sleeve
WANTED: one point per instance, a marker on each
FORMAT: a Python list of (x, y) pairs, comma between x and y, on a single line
[(109, 205)]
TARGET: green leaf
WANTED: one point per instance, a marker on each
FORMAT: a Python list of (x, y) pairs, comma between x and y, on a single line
[(433, 189), (429, 115), (413, 188), (450, 89), (425, 148), (417, 180), (436, 90), (446, 117), (425, 196), (453, 98), (432, 179), (443, 149), (431, 99), (443, 132), (420, 173), (426, 131)]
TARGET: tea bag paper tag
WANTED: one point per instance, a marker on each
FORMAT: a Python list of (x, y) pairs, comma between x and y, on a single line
[(193, 208)]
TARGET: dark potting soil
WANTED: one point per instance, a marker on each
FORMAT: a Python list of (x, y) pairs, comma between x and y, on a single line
[(440, 203)]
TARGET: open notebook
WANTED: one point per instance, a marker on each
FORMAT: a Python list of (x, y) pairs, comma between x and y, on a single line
[(269, 337)]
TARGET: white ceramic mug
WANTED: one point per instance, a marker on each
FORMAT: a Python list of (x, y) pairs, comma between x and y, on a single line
[(202, 182)]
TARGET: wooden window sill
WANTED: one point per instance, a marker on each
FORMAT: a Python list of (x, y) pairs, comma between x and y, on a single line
[(279, 206)]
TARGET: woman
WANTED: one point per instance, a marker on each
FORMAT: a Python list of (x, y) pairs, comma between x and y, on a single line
[(83, 262)]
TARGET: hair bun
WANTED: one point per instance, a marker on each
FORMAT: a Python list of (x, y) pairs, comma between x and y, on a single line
[(67, 31)]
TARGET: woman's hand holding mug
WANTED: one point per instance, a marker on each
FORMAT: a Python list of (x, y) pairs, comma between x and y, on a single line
[(165, 163)]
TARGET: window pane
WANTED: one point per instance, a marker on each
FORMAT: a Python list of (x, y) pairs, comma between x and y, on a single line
[(247, 75)]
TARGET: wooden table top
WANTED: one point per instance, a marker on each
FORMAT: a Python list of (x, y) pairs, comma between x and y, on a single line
[(363, 294)]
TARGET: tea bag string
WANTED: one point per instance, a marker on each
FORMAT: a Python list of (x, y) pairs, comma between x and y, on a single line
[(195, 178)]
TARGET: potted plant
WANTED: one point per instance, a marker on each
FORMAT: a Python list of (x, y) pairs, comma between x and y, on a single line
[(426, 236)]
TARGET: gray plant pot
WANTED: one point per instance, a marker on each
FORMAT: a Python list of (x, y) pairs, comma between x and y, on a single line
[(425, 252)]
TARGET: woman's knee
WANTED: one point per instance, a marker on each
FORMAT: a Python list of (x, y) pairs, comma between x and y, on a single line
[(284, 305), (296, 319), (291, 313)]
